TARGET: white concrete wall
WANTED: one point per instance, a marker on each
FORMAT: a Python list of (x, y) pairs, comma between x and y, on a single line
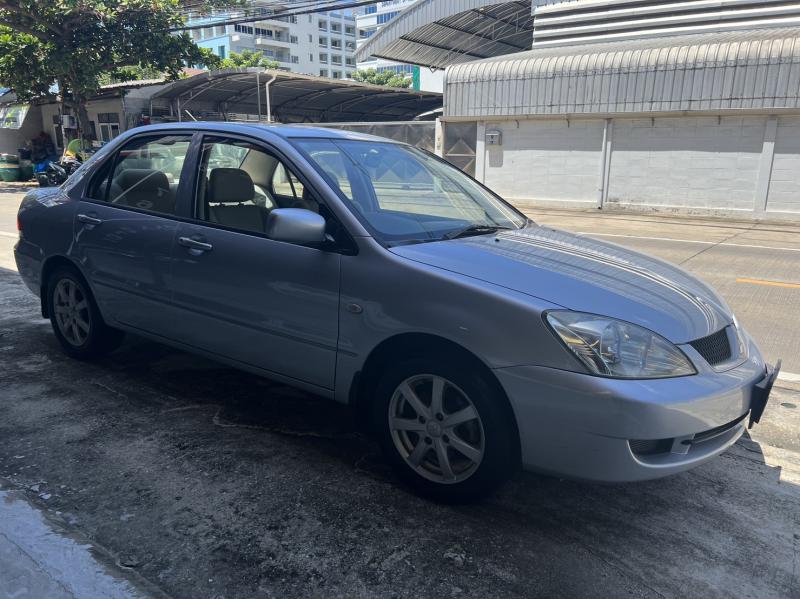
[(700, 164), (784, 185), (13, 139), (551, 160), (48, 111), (687, 162)]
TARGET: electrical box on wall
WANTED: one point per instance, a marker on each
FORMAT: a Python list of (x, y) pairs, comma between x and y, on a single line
[(494, 138), (68, 121)]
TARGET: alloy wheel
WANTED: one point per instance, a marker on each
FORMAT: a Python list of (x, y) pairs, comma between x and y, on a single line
[(71, 309), (436, 428)]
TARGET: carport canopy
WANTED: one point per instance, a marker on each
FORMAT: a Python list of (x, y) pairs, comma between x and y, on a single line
[(239, 94), (438, 33)]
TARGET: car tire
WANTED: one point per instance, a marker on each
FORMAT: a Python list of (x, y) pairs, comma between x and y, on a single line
[(75, 317), (472, 433)]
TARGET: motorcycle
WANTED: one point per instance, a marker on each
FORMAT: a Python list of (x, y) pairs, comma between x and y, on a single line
[(57, 172)]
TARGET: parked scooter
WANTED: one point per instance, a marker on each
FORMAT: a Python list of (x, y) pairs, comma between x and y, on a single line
[(58, 172)]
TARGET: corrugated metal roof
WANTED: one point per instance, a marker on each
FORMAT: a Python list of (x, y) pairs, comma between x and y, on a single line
[(758, 69), (295, 96), (438, 33)]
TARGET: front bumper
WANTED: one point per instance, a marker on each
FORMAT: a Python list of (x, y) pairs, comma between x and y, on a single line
[(613, 430)]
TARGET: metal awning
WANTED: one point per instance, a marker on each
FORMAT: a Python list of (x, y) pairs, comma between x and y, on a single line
[(438, 33), (756, 70), (235, 94)]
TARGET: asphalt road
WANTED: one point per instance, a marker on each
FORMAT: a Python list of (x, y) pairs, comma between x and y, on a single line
[(197, 480)]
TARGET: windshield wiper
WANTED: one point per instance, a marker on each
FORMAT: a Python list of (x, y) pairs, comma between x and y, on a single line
[(474, 230)]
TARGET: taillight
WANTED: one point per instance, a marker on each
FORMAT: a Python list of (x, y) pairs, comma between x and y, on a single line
[(19, 224)]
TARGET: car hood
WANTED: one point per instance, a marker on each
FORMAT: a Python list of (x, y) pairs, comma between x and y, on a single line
[(585, 275)]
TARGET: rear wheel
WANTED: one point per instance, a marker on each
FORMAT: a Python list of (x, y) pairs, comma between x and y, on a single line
[(76, 319), (446, 429)]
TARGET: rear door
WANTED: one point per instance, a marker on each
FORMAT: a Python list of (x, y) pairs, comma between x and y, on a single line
[(265, 303), (125, 225)]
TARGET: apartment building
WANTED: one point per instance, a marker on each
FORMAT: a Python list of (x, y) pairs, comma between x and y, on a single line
[(320, 44)]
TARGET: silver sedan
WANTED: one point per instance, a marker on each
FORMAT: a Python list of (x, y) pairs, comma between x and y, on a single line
[(469, 339)]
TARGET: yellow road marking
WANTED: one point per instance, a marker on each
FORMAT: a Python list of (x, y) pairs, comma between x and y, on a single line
[(769, 283)]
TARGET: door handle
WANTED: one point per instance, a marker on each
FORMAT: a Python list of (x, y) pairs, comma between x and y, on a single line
[(89, 220), (195, 244)]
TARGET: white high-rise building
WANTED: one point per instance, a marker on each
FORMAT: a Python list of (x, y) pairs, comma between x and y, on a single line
[(317, 44), (372, 18)]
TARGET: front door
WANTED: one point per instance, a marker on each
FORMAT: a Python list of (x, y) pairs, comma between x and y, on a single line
[(265, 303), (124, 229)]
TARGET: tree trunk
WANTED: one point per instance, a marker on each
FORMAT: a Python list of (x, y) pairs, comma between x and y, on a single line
[(82, 120), (77, 108), (63, 104)]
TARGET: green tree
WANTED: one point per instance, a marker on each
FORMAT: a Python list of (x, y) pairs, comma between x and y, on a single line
[(388, 78), (247, 58), (78, 43)]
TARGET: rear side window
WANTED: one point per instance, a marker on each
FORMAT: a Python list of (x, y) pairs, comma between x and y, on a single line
[(144, 174)]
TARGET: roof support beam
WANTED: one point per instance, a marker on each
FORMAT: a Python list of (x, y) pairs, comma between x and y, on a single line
[(512, 47), (517, 23), (438, 47)]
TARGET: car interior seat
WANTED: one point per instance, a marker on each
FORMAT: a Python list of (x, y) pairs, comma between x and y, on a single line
[(230, 196), (143, 188)]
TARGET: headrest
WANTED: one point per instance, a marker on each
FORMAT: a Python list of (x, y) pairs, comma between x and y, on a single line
[(131, 163), (227, 185), (142, 180)]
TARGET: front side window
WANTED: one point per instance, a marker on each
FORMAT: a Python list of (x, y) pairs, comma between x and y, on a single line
[(240, 183), (144, 174), (285, 184), (404, 195)]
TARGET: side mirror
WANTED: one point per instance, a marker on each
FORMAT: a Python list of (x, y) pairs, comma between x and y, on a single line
[(295, 225)]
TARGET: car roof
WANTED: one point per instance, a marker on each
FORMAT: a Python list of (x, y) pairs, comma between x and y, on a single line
[(265, 130)]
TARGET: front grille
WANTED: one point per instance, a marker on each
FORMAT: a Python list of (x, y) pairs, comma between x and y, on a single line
[(714, 432), (715, 349), (650, 447)]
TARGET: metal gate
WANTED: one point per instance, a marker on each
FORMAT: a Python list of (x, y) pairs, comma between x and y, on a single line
[(421, 134), (460, 140)]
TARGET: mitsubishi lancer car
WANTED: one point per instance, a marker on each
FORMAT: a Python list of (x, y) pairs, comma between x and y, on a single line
[(470, 340)]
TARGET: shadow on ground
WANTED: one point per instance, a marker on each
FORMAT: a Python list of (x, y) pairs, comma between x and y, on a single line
[(211, 482)]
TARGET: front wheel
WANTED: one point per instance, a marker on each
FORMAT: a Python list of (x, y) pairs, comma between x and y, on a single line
[(447, 430), (76, 318)]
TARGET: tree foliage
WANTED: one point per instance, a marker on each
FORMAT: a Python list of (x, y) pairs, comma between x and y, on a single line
[(387, 78), (78, 43), (247, 58)]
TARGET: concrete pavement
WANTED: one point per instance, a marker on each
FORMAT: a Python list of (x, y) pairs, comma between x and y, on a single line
[(39, 561), (210, 482)]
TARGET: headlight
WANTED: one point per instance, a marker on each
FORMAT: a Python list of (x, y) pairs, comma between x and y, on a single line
[(618, 349)]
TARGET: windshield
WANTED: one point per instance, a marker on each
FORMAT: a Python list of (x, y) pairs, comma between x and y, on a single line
[(403, 195)]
